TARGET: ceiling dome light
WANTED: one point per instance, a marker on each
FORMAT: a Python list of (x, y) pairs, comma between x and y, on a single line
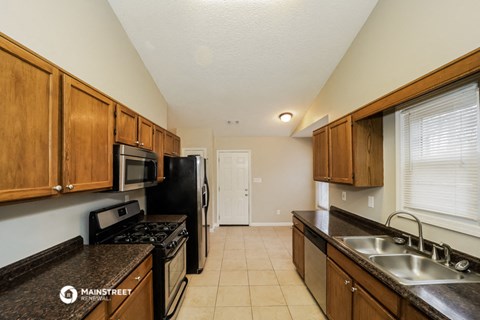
[(286, 116)]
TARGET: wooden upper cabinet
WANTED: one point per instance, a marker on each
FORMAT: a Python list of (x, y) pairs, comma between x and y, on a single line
[(126, 125), (87, 137), (320, 155), (132, 129), (145, 133), (29, 104), (340, 150), (158, 146), (176, 145), (172, 144), (349, 152)]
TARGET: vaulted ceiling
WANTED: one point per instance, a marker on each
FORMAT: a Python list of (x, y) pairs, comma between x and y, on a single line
[(242, 61)]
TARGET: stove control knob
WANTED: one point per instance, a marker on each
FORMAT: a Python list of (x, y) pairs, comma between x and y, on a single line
[(184, 232), (172, 244)]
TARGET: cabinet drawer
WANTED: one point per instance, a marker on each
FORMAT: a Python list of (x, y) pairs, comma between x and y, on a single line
[(132, 280), (378, 290), (298, 224), (99, 313)]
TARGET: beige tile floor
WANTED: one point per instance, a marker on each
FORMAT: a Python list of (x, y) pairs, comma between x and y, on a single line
[(249, 274)]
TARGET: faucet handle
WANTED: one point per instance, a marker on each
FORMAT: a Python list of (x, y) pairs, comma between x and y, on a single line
[(447, 251), (409, 239), (435, 248)]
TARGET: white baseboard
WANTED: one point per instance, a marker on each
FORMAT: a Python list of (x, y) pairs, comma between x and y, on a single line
[(270, 224)]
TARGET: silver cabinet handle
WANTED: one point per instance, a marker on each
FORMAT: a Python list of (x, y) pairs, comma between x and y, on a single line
[(354, 289), (69, 186), (137, 142), (347, 282), (57, 188), (138, 278), (142, 144)]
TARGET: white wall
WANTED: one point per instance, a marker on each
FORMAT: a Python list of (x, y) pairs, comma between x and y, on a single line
[(401, 41), (285, 166), (85, 38)]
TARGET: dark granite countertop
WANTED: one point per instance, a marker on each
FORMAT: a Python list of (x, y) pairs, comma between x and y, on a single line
[(439, 301), (30, 288)]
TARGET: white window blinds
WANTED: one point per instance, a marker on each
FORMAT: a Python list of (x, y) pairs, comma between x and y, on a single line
[(440, 154)]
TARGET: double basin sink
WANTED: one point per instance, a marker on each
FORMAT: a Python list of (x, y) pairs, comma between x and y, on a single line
[(404, 263)]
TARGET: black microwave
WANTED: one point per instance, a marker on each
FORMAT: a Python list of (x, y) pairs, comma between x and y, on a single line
[(133, 168)]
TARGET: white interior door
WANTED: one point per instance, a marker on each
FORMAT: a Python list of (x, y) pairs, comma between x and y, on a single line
[(233, 188)]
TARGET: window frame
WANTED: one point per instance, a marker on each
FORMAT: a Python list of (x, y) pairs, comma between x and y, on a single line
[(449, 222)]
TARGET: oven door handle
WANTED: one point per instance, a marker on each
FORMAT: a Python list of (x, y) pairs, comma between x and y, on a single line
[(179, 301), (174, 254)]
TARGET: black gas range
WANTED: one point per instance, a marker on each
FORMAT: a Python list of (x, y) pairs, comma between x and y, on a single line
[(126, 224)]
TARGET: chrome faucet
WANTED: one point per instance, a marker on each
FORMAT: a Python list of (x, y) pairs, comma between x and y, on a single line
[(420, 232)]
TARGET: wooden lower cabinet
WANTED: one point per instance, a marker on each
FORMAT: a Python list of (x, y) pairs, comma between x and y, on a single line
[(339, 293), (409, 312), (365, 307), (355, 294), (139, 305), (298, 247), (99, 313)]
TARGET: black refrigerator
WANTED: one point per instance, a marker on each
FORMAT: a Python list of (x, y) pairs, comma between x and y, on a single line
[(185, 191)]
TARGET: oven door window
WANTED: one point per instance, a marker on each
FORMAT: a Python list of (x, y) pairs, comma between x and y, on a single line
[(175, 272), (137, 171)]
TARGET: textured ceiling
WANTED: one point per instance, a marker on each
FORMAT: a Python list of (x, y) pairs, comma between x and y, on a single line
[(241, 60)]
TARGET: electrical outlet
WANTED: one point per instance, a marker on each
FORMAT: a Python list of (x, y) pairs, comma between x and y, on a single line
[(371, 201), (344, 195), (127, 198), (278, 211)]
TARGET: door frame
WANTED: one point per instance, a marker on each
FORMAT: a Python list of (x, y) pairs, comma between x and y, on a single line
[(249, 154)]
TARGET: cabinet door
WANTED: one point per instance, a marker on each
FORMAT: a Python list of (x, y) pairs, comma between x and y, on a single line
[(367, 308), (298, 247), (99, 313), (176, 145), (87, 137), (139, 305), (126, 126), (339, 297), (158, 142), (29, 93), (411, 313), (320, 155), (340, 150), (145, 133), (168, 146)]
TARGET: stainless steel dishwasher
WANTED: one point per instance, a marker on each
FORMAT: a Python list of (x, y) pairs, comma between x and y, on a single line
[(316, 267)]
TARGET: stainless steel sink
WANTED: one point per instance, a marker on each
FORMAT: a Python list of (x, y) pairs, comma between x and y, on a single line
[(369, 245), (404, 263), (414, 269)]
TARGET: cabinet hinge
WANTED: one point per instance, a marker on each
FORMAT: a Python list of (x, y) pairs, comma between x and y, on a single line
[(114, 132), (115, 113)]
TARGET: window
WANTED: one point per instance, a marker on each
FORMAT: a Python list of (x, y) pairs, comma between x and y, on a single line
[(439, 159), (321, 189)]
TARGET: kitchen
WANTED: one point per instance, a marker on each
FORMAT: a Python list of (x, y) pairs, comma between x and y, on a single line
[(87, 40)]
